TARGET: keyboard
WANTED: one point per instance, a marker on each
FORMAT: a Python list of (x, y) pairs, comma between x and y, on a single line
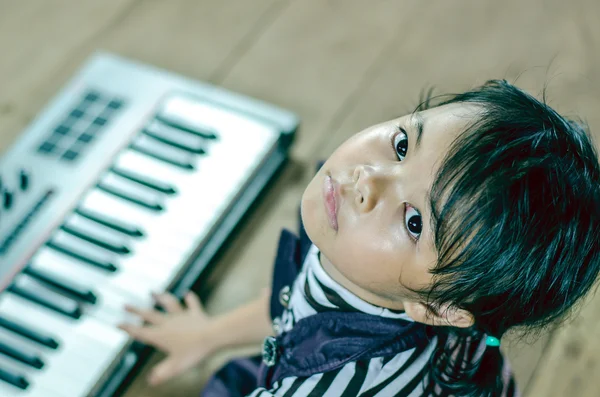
[(128, 182)]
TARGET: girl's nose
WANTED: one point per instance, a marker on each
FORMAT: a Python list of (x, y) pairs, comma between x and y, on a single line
[(369, 183)]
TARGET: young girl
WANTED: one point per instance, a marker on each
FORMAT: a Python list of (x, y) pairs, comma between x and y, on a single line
[(425, 239)]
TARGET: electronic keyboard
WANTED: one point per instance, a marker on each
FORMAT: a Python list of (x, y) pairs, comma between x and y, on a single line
[(128, 182)]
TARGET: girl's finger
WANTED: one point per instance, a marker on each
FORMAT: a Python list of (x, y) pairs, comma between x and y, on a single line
[(164, 371), (151, 316), (139, 333), (168, 302), (193, 302)]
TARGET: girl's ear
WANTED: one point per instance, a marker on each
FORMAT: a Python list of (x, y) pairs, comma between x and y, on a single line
[(444, 316)]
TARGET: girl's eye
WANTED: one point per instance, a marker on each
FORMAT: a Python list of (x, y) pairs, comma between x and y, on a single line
[(400, 143), (413, 221)]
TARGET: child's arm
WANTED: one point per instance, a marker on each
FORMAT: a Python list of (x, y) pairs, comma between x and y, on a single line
[(188, 335)]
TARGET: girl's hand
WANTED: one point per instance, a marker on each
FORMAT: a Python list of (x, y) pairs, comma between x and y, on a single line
[(183, 333)]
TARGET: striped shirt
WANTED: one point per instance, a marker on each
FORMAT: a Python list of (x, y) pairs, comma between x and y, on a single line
[(401, 375)]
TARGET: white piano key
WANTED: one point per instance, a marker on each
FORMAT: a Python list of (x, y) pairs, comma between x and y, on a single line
[(161, 241), (65, 360), (146, 180), (38, 293), (197, 115), (165, 152), (88, 329), (7, 390), (56, 379), (150, 223), (169, 239), (131, 189), (110, 298), (62, 283), (97, 345), (151, 259), (98, 234), (136, 245), (34, 334), (127, 283), (138, 263), (177, 137), (39, 380), (194, 114), (182, 111), (110, 307), (138, 162), (153, 244), (113, 223), (201, 195), (110, 303), (202, 187)]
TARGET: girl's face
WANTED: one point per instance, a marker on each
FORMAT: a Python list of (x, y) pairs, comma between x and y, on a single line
[(367, 207)]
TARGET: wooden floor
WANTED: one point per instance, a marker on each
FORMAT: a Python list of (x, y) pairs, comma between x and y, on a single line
[(341, 65)]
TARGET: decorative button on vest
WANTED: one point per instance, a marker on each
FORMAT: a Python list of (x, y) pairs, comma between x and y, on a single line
[(270, 351), (277, 325), (284, 296)]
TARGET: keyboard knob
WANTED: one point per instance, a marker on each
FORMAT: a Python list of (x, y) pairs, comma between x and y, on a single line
[(24, 179), (7, 198)]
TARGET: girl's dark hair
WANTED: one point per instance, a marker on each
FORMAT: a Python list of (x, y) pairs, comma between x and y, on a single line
[(516, 219)]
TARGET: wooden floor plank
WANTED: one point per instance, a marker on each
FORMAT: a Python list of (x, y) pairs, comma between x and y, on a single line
[(199, 39), (315, 55), (36, 38), (570, 364)]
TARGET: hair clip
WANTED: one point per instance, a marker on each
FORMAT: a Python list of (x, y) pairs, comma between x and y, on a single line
[(492, 341)]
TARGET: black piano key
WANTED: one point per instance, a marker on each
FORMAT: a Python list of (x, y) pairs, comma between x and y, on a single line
[(145, 180), (16, 380), (73, 253), (176, 138), (7, 198), (77, 113), (146, 202), (64, 286), (25, 357), (172, 156), (92, 96), (87, 236), (38, 293), (204, 132), (110, 222), (26, 332), (115, 104)]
